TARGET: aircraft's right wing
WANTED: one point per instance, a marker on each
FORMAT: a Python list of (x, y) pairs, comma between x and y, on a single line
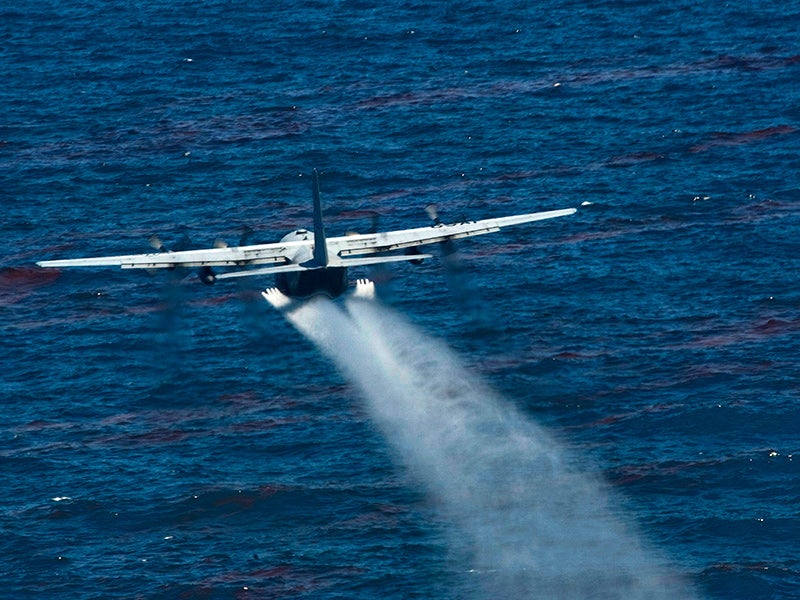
[(371, 243)]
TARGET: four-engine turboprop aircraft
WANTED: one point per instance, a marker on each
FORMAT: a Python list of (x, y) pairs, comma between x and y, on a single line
[(305, 262)]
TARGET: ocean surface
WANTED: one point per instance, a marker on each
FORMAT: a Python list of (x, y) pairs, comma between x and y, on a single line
[(599, 406)]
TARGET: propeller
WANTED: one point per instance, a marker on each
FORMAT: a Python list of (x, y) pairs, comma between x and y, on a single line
[(244, 237), (205, 274), (448, 246), (185, 243), (156, 243), (433, 213), (373, 228), (454, 266)]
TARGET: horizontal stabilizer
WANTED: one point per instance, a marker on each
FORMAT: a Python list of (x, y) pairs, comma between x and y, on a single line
[(376, 260), (292, 268), (345, 262)]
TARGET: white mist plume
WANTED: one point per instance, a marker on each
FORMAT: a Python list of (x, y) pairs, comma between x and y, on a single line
[(537, 526)]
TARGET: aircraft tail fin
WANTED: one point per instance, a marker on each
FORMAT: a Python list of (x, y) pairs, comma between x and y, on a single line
[(320, 243)]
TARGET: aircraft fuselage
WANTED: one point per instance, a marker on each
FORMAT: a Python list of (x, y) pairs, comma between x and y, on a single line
[(331, 281)]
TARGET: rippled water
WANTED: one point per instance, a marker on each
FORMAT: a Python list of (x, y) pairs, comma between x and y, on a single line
[(165, 439)]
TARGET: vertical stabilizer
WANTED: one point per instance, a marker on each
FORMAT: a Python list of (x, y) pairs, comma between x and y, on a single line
[(320, 244)]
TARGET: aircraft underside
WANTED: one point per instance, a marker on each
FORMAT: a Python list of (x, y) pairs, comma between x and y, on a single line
[(331, 281)]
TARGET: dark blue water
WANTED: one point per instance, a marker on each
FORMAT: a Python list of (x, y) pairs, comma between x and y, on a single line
[(165, 439)]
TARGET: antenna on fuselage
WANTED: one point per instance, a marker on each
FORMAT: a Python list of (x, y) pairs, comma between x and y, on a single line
[(320, 244)]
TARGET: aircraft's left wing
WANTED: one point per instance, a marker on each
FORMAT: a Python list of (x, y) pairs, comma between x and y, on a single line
[(406, 238), (275, 254)]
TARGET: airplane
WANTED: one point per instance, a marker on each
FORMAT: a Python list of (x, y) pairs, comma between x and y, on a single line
[(306, 263)]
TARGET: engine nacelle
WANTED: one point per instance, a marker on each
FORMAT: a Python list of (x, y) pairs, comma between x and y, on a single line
[(207, 276), (412, 251)]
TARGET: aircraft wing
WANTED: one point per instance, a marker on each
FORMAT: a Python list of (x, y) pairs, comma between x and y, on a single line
[(275, 254), (344, 251), (405, 238)]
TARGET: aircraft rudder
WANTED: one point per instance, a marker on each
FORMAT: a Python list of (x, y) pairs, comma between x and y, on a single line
[(320, 243)]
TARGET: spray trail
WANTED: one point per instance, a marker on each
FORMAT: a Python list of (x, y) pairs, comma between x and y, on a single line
[(536, 525)]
